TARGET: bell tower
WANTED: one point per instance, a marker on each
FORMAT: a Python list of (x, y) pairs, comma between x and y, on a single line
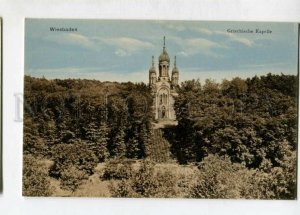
[(152, 74), (175, 74)]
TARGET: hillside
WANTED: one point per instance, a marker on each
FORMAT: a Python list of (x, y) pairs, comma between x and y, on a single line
[(235, 139)]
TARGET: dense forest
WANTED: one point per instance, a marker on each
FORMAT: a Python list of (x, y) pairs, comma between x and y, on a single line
[(235, 139)]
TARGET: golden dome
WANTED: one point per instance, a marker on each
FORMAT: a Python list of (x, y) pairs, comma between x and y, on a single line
[(164, 55)]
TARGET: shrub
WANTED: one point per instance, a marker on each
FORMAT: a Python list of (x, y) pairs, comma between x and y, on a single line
[(277, 184), (166, 185), (217, 178), (72, 178), (118, 169), (122, 188), (76, 154), (146, 182), (34, 145), (35, 178), (186, 180)]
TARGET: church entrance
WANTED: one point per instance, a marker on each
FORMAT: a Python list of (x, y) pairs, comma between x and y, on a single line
[(163, 112)]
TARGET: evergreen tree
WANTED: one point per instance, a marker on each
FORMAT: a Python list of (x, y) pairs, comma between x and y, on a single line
[(133, 148), (144, 136), (97, 140), (118, 146)]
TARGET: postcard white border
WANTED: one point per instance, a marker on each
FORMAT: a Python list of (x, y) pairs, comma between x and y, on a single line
[(14, 13)]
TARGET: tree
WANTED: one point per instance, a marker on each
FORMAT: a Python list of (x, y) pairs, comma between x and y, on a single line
[(97, 140), (118, 146), (76, 154), (35, 177), (133, 148)]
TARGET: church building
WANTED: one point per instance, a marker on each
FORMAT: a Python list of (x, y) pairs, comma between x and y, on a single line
[(164, 87)]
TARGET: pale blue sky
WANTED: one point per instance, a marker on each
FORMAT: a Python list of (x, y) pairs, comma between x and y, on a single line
[(121, 50)]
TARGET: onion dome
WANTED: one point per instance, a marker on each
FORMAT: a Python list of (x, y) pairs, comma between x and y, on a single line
[(164, 55), (152, 69), (175, 69)]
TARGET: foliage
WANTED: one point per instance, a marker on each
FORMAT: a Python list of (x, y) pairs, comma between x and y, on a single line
[(98, 140), (248, 120), (121, 189), (118, 169), (103, 114), (77, 155), (218, 177), (33, 144), (241, 134), (146, 182), (72, 178), (35, 178), (117, 143)]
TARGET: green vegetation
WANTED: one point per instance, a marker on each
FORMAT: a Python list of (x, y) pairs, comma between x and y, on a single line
[(235, 139)]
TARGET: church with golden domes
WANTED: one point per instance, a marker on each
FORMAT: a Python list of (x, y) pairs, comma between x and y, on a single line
[(163, 87)]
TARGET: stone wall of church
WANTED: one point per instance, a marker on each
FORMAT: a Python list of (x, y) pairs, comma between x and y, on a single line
[(164, 102)]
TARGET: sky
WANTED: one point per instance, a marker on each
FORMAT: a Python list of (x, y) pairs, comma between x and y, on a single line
[(121, 50)]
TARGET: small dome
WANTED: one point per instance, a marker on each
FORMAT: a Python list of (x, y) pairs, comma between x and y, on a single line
[(175, 69), (152, 70)]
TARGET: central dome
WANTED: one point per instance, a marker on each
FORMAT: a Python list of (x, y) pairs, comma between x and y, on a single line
[(164, 55)]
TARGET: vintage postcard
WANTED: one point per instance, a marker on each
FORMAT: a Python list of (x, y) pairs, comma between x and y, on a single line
[(160, 109), (1, 105)]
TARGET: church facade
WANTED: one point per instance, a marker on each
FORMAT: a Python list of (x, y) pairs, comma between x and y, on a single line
[(163, 87)]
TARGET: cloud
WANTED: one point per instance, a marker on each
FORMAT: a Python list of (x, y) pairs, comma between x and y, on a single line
[(182, 53), (72, 39), (203, 43), (223, 33), (278, 65), (121, 53), (231, 37), (204, 46), (203, 31), (126, 46), (180, 27), (198, 45), (176, 27), (242, 40)]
